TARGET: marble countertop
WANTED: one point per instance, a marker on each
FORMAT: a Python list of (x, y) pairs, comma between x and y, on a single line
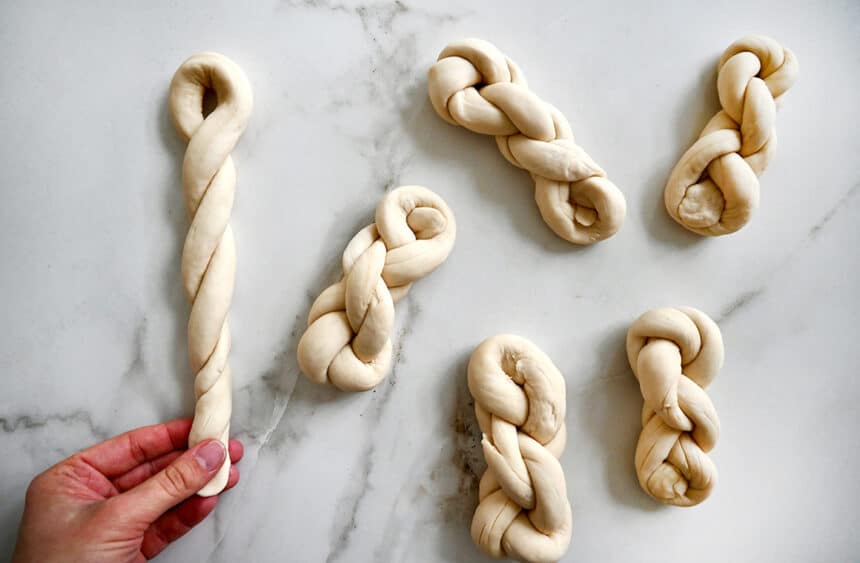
[(92, 224)]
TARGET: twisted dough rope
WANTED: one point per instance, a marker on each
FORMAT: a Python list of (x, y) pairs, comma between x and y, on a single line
[(675, 354), (714, 188), (474, 85), (348, 339), (209, 254), (523, 511)]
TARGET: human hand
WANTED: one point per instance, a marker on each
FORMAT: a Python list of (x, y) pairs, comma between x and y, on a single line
[(125, 499)]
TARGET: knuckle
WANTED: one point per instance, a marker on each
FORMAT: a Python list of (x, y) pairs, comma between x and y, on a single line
[(34, 489), (175, 480), (136, 449)]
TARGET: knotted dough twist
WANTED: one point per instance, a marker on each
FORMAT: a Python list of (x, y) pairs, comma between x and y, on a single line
[(348, 339), (474, 85), (714, 188), (523, 511), (675, 353), (209, 254)]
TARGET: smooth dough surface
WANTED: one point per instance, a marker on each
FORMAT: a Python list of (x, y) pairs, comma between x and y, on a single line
[(209, 254), (348, 339), (675, 353), (474, 85), (714, 188), (523, 512)]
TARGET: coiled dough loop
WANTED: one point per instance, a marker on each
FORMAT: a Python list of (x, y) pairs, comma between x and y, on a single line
[(209, 253), (523, 511), (474, 85), (714, 188), (348, 339), (675, 353)]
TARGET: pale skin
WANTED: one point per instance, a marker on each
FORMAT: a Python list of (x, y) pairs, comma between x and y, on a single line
[(125, 499)]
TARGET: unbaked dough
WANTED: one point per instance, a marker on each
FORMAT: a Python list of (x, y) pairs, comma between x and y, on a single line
[(523, 511), (476, 86), (675, 353), (714, 188), (209, 254), (348, 339)]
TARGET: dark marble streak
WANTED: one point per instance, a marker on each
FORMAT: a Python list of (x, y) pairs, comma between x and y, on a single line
[(260, 406), (345, 520), (738, 304), (262, 402), (387, 81), (350, 501), (36, 422), (468, 456), (743, 300), (137, 365), (258, 409), (261, 412), (827, 217), (444, 493)]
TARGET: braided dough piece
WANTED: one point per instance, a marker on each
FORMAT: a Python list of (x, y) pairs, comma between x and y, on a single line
[(474, 85), (348, 339), (209, 254), (523, 511), (675, 353), (714, 188)]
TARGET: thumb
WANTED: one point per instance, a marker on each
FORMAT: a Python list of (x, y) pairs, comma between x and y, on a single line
[(175, 483)]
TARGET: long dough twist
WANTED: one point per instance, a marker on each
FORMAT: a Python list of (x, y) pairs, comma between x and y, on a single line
[(714, 188), (523, 511), (675, 353), (209, 254), (474, 85), (348, 339)]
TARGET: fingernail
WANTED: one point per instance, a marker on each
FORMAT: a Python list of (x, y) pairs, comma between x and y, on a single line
[(211, 456)]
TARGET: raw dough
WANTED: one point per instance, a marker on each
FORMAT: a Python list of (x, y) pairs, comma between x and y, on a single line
[(714, 188), (474, 85), (348, 339), (209, 254), (523, 511), (675, 353)]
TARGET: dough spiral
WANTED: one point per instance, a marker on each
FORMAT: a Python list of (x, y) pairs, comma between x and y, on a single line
[(523, 511), (714, 188), (348, 339), (675, 353), (474, 85), (209, 254)]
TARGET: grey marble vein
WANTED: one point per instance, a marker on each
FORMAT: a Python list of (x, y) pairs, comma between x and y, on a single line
[(94, 315), (349, 503), (748, 296), (351, 499), (259, 409), (392, 83), (271, 393), (467, 457), (25, 423), (137, 366), (837, 208), (33, 422), (738, 304)]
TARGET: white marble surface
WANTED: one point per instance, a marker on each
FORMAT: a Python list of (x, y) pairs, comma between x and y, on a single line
[(92, 223)]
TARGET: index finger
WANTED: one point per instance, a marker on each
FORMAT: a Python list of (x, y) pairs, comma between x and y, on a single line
[(122, 453)]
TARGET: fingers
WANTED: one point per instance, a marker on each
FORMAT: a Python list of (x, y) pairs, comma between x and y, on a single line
[(178, 481), (123, 453), (236, 449), (149, 468), (232, 478), (144, 471), (177, 521)]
